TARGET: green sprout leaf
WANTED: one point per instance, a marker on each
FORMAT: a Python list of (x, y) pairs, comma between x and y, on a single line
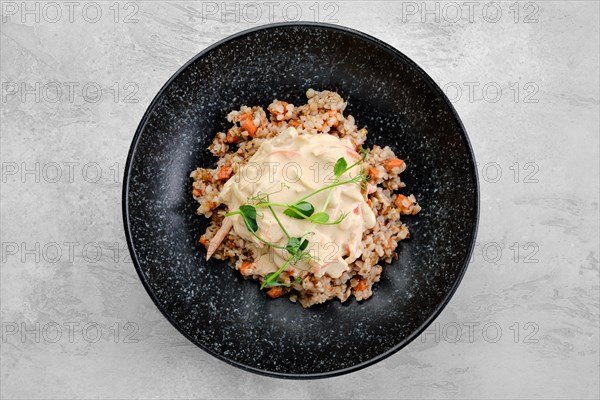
[(340, 167), (293, 245), (248, 211), (249, 215), (251, 224), (320, 218), (300, 210), (296, 245), (303, 245)]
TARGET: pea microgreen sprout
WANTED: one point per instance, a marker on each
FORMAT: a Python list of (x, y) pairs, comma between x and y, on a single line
[(296, 247), (340, 168), (248, 213), (302, 209), (263, 198)]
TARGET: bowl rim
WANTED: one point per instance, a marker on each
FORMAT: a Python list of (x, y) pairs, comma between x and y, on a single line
[(396, 53)]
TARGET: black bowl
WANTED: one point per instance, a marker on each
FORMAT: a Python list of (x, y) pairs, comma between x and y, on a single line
[(209, 302)]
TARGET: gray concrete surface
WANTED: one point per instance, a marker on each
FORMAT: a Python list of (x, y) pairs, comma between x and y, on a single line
[(76, 79)]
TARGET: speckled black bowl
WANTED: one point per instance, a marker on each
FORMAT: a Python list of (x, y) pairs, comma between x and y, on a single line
[(209, 302)]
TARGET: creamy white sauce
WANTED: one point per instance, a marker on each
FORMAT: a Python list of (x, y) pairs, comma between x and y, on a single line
[(304, 163)]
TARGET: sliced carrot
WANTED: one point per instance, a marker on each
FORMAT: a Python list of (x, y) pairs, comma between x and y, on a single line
[(401, 200), (360, 286), (231, 137), (249, 126), (196, 192), (245, 268), (225, 172), (393, 163), (275, 292), (373, 172), (247, 123), (404, 205), (202, 240), (332, 113)]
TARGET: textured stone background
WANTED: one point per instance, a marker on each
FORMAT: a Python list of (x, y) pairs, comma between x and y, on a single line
[(77, 323)]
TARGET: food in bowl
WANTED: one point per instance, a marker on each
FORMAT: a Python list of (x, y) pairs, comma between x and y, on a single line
[(297, 204)]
